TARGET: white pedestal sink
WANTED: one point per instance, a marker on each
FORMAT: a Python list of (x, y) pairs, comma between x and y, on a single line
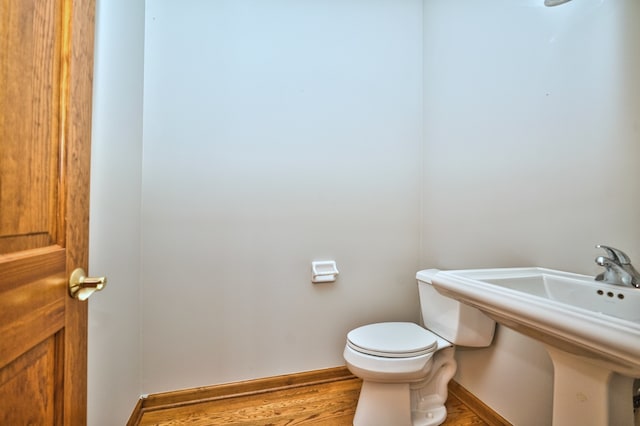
[(591, 331)]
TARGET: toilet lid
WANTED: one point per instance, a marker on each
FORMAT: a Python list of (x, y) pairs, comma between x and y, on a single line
[(392, 340)]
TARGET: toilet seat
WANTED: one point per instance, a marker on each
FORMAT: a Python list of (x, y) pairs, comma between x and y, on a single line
[(392, 340)]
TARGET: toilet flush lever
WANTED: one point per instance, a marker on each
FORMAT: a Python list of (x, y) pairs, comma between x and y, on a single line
[(324, 271)]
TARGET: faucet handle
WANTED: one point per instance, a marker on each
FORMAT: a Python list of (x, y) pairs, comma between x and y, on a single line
[(615, 254)]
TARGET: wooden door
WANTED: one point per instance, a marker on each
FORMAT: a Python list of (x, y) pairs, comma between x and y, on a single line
[(46, 66)]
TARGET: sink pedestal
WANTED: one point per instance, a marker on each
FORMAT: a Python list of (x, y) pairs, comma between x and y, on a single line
[(587, 393)]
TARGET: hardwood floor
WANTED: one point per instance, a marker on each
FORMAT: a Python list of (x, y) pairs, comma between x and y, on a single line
[(330, 402)]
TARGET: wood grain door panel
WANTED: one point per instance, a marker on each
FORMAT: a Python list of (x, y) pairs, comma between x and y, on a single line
[(30, 154), (32, 300), (30, 400), (46, 70)]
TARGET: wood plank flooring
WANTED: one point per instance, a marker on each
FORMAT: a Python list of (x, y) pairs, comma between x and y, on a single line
[(330, 403)]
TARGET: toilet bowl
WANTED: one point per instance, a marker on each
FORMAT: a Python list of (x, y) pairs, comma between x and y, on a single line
[(405, 368), (397, 361)]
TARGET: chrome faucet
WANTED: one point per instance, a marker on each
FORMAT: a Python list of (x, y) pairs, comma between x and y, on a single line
[(617, 268)]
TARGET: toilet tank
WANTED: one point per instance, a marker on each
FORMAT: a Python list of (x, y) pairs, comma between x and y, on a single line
[(456, 322)]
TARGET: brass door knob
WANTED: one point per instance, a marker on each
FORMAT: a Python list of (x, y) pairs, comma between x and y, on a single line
[(81, 286)]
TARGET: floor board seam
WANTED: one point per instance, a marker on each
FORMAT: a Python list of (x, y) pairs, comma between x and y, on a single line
[(242, 394)]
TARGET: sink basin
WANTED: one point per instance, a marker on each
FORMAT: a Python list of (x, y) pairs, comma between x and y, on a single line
[(577, 291), (591, 330)]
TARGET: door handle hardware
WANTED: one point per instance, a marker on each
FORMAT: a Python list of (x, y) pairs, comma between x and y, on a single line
[(81, 286)]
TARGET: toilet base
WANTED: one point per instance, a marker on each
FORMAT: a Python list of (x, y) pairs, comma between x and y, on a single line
[(396, 409), (408, 404), (432, 412)]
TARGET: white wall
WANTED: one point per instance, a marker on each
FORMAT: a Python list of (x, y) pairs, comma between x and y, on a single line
[(276, 133), (114, 326), (531, 157)]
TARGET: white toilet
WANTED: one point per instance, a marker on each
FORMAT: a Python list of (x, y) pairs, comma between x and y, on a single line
[(405, 368)]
